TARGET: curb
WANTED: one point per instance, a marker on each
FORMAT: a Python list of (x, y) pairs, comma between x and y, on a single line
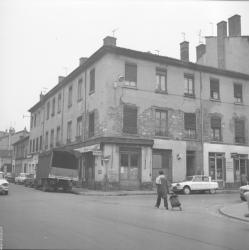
[(231, 216)]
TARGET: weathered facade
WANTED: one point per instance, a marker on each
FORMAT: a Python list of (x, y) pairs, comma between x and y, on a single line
[(131, 113)]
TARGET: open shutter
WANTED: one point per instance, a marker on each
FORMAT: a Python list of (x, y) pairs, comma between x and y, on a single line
[(130, 119)]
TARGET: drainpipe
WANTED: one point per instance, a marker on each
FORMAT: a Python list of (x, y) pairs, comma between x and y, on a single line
[(62, 112), (201, 114), (84, 129)]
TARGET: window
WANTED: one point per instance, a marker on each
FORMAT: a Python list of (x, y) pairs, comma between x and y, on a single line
[(31, 122), (69, 131), (92, 81), (30, 146), (37, 144), (79, 89), (59, 103), (70, 96), (53, 107), (239, 131), (238, 93), (79, 127), (52, 139), (214, 89), (34, 120), (161, 123), (91, 124), (216, 128), (40, 142), (48, 110), (130, 119), (131, 74), (190, 124), (46, 140), (161, 80), (189, 89), (33, 145), (58, 132)]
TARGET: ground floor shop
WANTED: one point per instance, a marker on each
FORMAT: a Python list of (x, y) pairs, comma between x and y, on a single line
[(228, 164), (134, 163)]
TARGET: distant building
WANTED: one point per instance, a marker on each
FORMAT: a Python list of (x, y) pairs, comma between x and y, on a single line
[(226, 50), (131, 114), (6, 147), (20, 156)]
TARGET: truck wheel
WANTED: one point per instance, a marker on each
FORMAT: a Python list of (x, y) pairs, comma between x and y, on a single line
[(186, 190)]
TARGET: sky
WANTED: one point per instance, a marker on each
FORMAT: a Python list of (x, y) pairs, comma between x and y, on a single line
[(43, 39)]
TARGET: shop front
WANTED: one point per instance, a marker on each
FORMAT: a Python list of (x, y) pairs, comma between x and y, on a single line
[(227, 164)]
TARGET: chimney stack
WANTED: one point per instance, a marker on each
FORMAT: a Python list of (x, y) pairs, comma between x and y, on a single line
[(41, 96), (234, 25), (110, 41), (200, 50), (222, 29), (184, 50), (60, 78)]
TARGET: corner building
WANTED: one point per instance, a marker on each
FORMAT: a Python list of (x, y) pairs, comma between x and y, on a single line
[(131, 114)]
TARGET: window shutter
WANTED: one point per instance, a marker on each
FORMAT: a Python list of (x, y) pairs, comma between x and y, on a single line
[(190, 121), (214, 85), (131, 72), (130, 119), (215, 122), (239, 128), (237, 90)]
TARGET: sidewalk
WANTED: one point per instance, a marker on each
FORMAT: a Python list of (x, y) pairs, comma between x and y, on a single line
[(235, 211)]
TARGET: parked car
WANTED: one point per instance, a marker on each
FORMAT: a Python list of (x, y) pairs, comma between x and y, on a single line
[(4, 185), (21, 178), (29, 181), (195, 183), (242, 190), (10, 177)]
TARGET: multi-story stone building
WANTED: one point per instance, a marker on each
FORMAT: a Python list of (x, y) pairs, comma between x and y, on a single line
[(132, 113), (20, 156), (226, 51)]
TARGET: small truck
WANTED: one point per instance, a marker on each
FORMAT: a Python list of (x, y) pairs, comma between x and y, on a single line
[(56, 169)]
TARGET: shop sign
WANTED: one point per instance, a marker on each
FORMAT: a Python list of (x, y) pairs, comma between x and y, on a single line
[(97, 153)]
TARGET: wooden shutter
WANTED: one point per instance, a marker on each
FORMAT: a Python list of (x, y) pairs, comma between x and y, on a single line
[(190, 121), (239, 128), (131, 72), (215, 122), (130, 119), (237, 90)]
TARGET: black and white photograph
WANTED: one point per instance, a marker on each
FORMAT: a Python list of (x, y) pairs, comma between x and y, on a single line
[(124, 125)]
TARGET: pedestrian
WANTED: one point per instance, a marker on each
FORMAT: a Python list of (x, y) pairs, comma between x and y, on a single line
[(246, 194), (162, 190)]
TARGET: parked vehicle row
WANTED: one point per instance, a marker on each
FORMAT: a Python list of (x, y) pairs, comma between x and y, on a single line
[(4, 184)]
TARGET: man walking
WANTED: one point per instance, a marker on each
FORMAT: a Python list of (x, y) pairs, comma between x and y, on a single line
[(162, 190)]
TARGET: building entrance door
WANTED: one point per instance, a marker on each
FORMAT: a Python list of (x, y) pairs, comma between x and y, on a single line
[(89, 169), (130, 168), (216, 167)]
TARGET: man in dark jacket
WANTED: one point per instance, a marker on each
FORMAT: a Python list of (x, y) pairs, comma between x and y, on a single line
[(162, 190)]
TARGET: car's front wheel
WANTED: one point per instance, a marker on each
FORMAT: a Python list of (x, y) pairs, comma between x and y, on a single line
[(186, 190), (212, 191)]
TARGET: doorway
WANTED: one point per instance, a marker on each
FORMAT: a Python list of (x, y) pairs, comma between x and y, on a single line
[(129, 168)]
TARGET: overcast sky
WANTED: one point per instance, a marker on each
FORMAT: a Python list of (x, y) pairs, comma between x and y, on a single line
[(41, 39)]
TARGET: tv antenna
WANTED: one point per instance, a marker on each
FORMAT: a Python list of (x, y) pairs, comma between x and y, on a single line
[(113, 32), (183, 35), (157, 51), (212, 28)]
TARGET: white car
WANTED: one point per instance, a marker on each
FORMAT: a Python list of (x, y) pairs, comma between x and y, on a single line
[(21, 178), (4, 185), (195, 183), (242, 190)]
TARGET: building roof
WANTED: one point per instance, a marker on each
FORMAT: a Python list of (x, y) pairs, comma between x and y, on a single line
[(137, 55), (21, 140)]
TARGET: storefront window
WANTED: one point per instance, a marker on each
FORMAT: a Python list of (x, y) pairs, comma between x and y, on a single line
[(216, 166)]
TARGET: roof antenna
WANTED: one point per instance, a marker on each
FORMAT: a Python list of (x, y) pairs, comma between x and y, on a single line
[(183, 35), (113, 32), (157, 51)]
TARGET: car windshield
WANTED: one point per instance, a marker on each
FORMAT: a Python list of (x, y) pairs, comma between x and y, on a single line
[(189, 178)]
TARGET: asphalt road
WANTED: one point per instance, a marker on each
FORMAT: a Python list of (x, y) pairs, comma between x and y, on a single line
[(32, 219)]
